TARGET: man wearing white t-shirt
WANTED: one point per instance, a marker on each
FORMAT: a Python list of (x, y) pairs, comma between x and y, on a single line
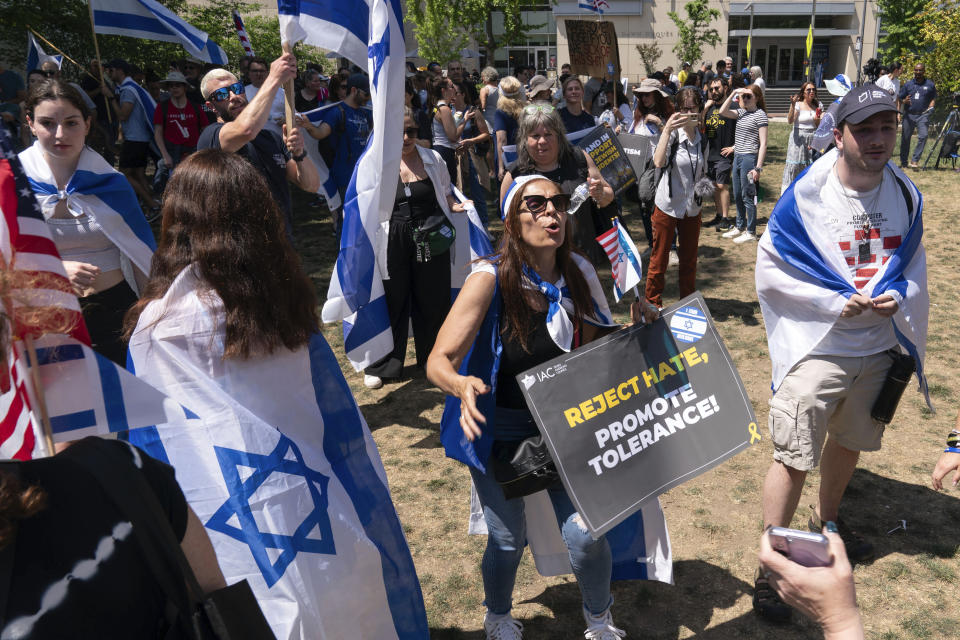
[(890, 81), (841, 278)]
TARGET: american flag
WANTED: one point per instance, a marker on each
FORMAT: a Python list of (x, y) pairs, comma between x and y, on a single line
[(29, 257), (624, 259), (242, 34)]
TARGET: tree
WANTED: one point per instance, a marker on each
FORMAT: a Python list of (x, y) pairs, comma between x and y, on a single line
[(939, 43), (441, 33), (899, 18), (649, 54), (694, 32)]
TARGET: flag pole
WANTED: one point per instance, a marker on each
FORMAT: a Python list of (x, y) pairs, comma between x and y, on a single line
[(616, 224), (96, 49), (288, 93), (60, 51), (34, 364)]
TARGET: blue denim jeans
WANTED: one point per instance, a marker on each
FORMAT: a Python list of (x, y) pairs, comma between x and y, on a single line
[(507, 536), (744, 163)]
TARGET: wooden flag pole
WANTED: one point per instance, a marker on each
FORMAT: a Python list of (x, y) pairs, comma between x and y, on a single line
[(60, 51), (96, 49), (34, 365), (288, 93)]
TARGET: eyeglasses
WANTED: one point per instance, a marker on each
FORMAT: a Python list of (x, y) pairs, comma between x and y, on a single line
[(412, 132), (531, 109), (809, 90), (48, 74), (746, 96), (222, 94), (538, 204)]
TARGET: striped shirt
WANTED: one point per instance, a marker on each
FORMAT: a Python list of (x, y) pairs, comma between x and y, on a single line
[(747, 137)]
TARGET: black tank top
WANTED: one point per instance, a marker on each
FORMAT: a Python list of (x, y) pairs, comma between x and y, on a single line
[(422, 199), (514, 360)]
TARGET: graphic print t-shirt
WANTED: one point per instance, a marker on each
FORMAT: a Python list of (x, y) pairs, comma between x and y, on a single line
[(867, 241)]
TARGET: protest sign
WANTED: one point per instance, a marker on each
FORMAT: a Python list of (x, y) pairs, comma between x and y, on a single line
[(602, 145), (592, 45), (637, 150), (642, 410)]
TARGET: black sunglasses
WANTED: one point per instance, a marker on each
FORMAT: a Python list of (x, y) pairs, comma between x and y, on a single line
[(538, 204), (412, 132), (222, 94)]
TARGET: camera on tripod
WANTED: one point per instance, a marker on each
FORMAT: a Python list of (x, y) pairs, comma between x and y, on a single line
[(872, 70)]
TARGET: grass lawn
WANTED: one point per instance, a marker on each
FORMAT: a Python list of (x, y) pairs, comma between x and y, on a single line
[(714, 520)]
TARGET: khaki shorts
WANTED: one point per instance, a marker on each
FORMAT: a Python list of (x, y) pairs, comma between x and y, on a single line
[(827, 394)]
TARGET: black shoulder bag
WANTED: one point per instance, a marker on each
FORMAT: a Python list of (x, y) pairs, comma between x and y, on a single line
[(231, 613)]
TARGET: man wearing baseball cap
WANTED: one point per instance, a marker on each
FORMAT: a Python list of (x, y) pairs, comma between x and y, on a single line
[(841, 279)]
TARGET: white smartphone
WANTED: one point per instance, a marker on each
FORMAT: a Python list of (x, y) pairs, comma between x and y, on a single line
[(803, 547)]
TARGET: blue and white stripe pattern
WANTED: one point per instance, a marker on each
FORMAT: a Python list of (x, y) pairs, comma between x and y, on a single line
[(151, 20), (98, 190), (88, 395), (147, 102), (293, 494), (803, 281), (328, 188), (37, 56)]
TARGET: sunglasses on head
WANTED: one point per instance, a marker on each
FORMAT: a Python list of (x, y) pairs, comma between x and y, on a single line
[(538, 204), (222, 94), (543, 107)]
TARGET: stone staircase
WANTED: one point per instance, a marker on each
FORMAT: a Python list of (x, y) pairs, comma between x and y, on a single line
[(778, 100)]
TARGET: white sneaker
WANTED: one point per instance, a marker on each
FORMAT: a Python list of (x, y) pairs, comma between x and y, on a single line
[(674, 259), (746, 236), (502, 627), (601, 627), (733, 233), (372, 382)]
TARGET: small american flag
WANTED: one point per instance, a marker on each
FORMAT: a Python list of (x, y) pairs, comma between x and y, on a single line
[(38, 286), (242, 34), (624, 259)]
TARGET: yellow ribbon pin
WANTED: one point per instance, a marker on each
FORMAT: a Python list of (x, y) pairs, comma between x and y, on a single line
[(754, 436)]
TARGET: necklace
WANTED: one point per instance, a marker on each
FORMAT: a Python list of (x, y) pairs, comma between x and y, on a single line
[(863, 247)]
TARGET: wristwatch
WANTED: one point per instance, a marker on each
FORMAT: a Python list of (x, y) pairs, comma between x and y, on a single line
[(300, 157)]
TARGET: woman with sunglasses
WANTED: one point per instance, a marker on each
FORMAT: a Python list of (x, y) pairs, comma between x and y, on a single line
[(543, 149), (676, 214), (531, 301), (750, 150), (91, 211), (419, 284), (650, 114), (804, 115), (446, 131)]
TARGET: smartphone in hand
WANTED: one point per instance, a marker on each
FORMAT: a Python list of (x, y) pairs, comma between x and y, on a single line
[(803, 547)]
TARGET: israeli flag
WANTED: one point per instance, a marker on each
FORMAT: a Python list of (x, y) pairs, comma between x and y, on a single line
[(803, 280), (151, 20), (292, 492), (98, 190), (328, 188), (37, 56)]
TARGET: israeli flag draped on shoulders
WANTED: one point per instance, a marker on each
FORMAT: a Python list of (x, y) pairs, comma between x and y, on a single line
[(292, 493), (148, 104), (151, 20), (370, 34), (803, 280), (97, 190), (640, 544)]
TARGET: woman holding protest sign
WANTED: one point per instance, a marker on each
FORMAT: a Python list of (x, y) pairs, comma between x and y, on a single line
[(533, 300), (543, 148), (651, 113)]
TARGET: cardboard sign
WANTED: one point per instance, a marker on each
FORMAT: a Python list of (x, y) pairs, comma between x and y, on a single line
[(602, 145), (593, 45), (640, 411), (637, 150)]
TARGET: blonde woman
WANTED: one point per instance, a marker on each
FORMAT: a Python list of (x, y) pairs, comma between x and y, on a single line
[(505, 118)]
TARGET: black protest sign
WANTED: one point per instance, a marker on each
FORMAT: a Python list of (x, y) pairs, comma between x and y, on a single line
[(640, 411), (637, 150), (593, 46), (602, 145)]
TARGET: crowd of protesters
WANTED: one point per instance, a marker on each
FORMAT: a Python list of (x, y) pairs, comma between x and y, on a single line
[(501, 139)]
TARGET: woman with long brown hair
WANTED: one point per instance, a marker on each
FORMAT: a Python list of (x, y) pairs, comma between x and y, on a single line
[(533, 300), (804, 115)]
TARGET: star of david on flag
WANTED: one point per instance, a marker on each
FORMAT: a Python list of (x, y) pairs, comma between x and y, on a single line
[(247, 475)]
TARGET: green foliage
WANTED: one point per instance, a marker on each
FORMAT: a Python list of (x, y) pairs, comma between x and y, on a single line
[(440, 30), (649, 54), (695, 31), (899, 18), (939, 43)]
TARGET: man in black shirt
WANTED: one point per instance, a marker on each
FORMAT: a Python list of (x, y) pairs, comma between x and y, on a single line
[(719, 140), (240, 129)]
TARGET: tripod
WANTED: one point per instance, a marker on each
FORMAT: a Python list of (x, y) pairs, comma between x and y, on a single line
[(951, 124)]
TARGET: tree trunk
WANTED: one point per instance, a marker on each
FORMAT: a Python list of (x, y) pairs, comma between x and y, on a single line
[(491, 45)]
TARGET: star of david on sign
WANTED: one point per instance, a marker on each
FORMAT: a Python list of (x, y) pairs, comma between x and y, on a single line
[(285, 459)]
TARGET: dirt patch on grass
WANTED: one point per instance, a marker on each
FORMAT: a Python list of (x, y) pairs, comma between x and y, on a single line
[(714, 520)]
